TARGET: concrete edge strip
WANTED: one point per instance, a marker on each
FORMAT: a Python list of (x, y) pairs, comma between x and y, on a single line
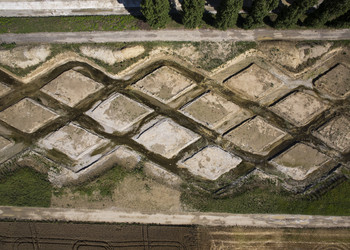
[(203, 219)]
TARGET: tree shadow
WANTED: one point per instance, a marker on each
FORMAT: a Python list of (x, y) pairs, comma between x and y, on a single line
[(133, 7), (268, 21), (176, 16), (209, 18), (240, 20)]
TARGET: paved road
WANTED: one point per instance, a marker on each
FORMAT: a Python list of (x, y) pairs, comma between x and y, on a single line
[(205, 219), (176, 35)]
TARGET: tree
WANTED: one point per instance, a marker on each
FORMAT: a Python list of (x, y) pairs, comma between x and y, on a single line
[(192, 12), (156, 12), (327, 11), (259, 10), (227, 14), (290, 16), (341, 22)]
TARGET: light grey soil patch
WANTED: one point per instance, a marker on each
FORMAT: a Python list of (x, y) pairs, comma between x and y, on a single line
[(24, 56), (299, 108), (336, 133), (110, 56), (210, 162), (336, 82), (165, 137), (254, 83), (291, 54), (215, 112), (4, 143), (299, 161), (119, 113), (164, 84), (76, 143), (4, 89), (27, 115), (71, 87), (256, 136)]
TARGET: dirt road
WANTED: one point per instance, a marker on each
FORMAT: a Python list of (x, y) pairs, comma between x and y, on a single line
[(175, 35), (203, 219)]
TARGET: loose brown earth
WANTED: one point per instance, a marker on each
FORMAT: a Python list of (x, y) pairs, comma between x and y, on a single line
[(38, 235)]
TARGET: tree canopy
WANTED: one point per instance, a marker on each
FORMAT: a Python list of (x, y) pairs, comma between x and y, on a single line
[(156, 12), (327, 11), (227, 14), (192, 12), (289, 16)]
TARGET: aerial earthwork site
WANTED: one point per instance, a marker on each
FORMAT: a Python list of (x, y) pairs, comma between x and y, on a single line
[(178, 127)]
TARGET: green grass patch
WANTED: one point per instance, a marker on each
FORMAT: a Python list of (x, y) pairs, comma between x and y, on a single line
[(267, 198), (215, 54), (104, 184), (68, 24), (25, 187), (125, 22)]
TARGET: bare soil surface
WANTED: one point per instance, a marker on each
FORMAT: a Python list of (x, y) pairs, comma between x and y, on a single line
[(134, 193), (112, 56), (24, 56), (57, 236)]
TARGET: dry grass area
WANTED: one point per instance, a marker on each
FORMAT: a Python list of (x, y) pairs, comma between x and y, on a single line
[(120, 190)]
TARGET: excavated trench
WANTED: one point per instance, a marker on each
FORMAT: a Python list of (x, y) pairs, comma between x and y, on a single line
[(208, 136)]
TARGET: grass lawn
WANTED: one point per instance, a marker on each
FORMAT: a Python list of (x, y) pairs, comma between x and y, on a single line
[(68, 23), (25, 187), (123, 22), (266, 199), (104, 184)]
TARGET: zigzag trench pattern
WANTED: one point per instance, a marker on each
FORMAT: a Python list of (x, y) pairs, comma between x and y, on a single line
[(73, 120)]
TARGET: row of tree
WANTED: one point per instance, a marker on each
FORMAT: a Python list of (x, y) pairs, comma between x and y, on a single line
[(156, 13)]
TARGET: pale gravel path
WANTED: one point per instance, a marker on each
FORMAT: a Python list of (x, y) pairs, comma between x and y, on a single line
[(205, 219), (175, 35)]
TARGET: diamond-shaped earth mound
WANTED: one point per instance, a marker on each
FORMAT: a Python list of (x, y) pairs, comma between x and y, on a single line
[(119, 113), (256, 136), (215, 112), (299, 108), (299, 161), (4, 89), (210, 162), (27, 115), (165, 137), (76, 143), (254, 83), (336, 81), (164, 84), (71, 87), (336, 133)]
